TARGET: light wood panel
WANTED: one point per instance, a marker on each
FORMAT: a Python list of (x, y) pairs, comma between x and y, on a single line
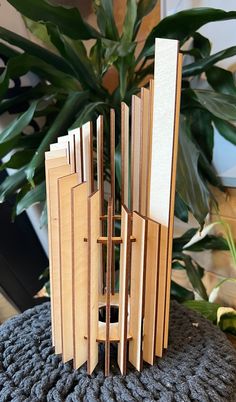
[(100, 187), (57, 153), (52, 163), (77, 145), (151, 277), (135, 152), (172, 197), (160, 321), (136, 290), (125, 168), (65, 185), (87, 162), (148, 186), (80, 272), (93, 274), (108, 283), (145, 149), (125, 254), (165, 87)]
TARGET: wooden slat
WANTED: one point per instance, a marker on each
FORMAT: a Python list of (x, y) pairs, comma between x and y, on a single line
[(108, 284), (87, 162), (100, 187), (91, 157), (136, 290), (65, 185), (54, 246), (57, 153), (93, 274), (151, 105), (49, 164), (145, 149), (166, 56), (172, 198), (80, 273), (113, 178), (125, 169), (125, 254), (135, 152), (78, 149), (151, 276)]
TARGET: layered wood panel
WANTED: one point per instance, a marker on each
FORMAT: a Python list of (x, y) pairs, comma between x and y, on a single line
[(90, 218)]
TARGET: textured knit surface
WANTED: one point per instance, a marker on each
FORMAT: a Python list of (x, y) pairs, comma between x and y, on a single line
[(200, 365)]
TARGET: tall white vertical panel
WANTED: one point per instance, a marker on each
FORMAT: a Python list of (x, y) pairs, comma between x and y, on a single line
[(165, 75)]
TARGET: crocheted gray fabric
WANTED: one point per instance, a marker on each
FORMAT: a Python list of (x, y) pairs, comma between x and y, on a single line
[(200, 365)]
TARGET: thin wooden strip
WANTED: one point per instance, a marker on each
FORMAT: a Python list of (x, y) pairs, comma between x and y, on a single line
[(93, 270), (166, 55), (86, 155), (65, 185), (57, 153), (172, 198), (125, 254), (113, 196), (100, 185), (151, 276), (77, 152), (125, 154), (49, 164), (136, 290), (108, 284), (80, 272), (91, 175), (148, 186), (65, 140), (145, 150), (135, 152)]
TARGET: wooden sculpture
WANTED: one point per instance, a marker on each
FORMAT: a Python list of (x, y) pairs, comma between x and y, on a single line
[(82, 216)]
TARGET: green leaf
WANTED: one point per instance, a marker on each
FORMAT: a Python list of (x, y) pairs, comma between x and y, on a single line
[(7, 51), (202, 44), (35, 50), (68, 20), (105, 19), (220, 105), (18, 159), (183, 24), (87, 114), (179, 242), (12, 183), (44, 216), (226, 129), (39, 30), (202, 131), (180, 293), (59, 126), (16, 127), (194, 273), (144, 8), (205, 308), (32, 197), (202, 65), (181, 209), (189, 184), (209, 242), (130, 18), (221, 80)]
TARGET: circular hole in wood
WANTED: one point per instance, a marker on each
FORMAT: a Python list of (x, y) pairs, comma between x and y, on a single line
[(114, 315)]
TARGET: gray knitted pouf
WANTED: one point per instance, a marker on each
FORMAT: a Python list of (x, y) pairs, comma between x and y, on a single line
[(200, 365)]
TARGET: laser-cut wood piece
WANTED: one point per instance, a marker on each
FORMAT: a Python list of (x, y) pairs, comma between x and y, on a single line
[(125, 254), (65, 185), (80, 272), (93, 273), (136, 291), (83, 232)]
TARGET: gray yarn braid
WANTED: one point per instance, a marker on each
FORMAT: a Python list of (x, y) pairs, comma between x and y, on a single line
[(199, 366)]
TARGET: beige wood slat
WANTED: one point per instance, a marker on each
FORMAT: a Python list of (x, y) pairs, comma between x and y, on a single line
[(87, 162), (65, 185), (100, 185), (113, 179), (172, 197), (80, 272), (53, 172), (165, 80), (136, 290), (148, 186), (93, 275), (145, 149), (160, 320), (125, 254), (91, 167), (125, 154), (135, 152), (108, 284), (151, 277), (57, 153), (75, 136)]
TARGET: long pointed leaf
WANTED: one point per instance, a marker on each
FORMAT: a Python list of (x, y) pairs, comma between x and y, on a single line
[(226, 129), (16, 127), (68, 20), (59, 126), (221, 80), (33, 196), (12, 183), (105, 19), (220, 105)]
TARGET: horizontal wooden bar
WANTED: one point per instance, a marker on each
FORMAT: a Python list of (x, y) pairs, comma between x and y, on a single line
[(114, 333), (115, 217)]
